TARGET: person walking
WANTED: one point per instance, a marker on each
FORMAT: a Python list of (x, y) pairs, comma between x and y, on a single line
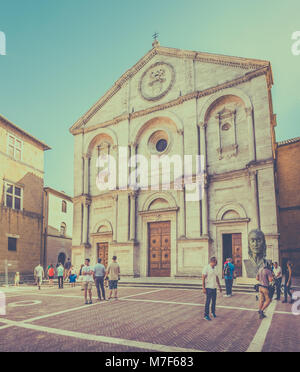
[(39, 275), (60, 276), (210, 280), (113, 272), (88, 273), (99, 275), (288, 282), (80, 278), (68, 266), (228, 273), (51, 273), (265, 278), (278, 279), (17, 279)]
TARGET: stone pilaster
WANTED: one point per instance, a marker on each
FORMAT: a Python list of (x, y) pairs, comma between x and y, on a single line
[(132, 196), (205, 188)]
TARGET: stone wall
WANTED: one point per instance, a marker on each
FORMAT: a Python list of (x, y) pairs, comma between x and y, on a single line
[(288, 180)]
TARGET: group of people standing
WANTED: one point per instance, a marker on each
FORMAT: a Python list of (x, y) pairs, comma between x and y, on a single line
[(97, 275), (63, 272), (270, 278), (88, 276)]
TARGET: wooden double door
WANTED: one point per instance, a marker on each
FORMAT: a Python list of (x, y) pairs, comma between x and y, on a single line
[(232, 248), (102, 252), (159, 247)]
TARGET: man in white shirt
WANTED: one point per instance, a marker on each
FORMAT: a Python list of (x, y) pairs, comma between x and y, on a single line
[(278, 279), (39, 275), (210, 281), (88, 279)]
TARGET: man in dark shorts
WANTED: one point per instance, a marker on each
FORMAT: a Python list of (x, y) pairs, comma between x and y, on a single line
[(113, 272), (265, 277)]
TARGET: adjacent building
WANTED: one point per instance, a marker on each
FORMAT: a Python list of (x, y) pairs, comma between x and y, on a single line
[(288, 180), (21, 198), (175, 103), (58, 226)]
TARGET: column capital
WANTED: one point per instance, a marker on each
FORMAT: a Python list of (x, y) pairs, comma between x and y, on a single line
[(252, 173), (248, 111), (203, 125), (115, 197), (87, 200), (133, 194), (86, 156)]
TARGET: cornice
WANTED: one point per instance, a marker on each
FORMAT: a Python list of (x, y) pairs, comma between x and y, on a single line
[(41, 144), (250, 168), (178, 101), (238, 62)]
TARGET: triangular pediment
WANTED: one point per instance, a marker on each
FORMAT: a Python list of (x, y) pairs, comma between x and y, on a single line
[(213, 70)]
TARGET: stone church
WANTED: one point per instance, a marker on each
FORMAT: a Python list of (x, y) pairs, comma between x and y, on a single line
[(178, 102)]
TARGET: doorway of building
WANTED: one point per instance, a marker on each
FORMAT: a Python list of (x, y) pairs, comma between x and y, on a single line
[(102, 252), (61, 258), (159, 243), (232, 248)]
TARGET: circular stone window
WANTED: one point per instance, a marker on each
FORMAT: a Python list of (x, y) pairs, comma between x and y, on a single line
[(161, 145), (159, 142)]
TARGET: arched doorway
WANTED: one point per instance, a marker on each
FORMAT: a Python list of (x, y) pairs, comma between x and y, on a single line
[(102, 237), (61, 258)]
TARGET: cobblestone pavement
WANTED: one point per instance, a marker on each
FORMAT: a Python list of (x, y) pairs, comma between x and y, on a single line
[(142, 319)]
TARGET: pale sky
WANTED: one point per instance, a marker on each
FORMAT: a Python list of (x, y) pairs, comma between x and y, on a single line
[(63, 55)]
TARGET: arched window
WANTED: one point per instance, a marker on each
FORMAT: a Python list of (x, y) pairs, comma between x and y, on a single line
[(63, 229), (64, 206)]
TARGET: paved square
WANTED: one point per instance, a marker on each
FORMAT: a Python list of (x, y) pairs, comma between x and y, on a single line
[(143, 319)]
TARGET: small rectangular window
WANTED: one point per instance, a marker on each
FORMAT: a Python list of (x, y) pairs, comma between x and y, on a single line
[(13, 196), (17, 203), (12, 244), (9, 201), (14, 147)]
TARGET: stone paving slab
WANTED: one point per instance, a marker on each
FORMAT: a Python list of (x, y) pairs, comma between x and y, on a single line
[(284, 334), (16, 339)]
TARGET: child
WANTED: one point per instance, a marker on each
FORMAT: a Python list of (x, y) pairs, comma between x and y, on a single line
[(17, 279), (73, 277), (51, 273)]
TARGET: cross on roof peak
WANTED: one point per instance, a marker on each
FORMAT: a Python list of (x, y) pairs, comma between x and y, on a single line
[(156, 42), (155, 35)]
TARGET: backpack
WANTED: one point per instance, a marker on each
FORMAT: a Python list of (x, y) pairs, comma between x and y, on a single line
[(227, 271)]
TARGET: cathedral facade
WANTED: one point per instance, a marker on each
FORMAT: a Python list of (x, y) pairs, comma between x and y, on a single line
[(178, 103)]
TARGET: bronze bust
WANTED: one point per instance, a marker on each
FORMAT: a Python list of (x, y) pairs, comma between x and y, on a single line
[(257, 251)]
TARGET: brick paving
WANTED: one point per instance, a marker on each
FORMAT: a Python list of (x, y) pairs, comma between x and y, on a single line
[(148, 318), (33, 341), (284, 334)]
